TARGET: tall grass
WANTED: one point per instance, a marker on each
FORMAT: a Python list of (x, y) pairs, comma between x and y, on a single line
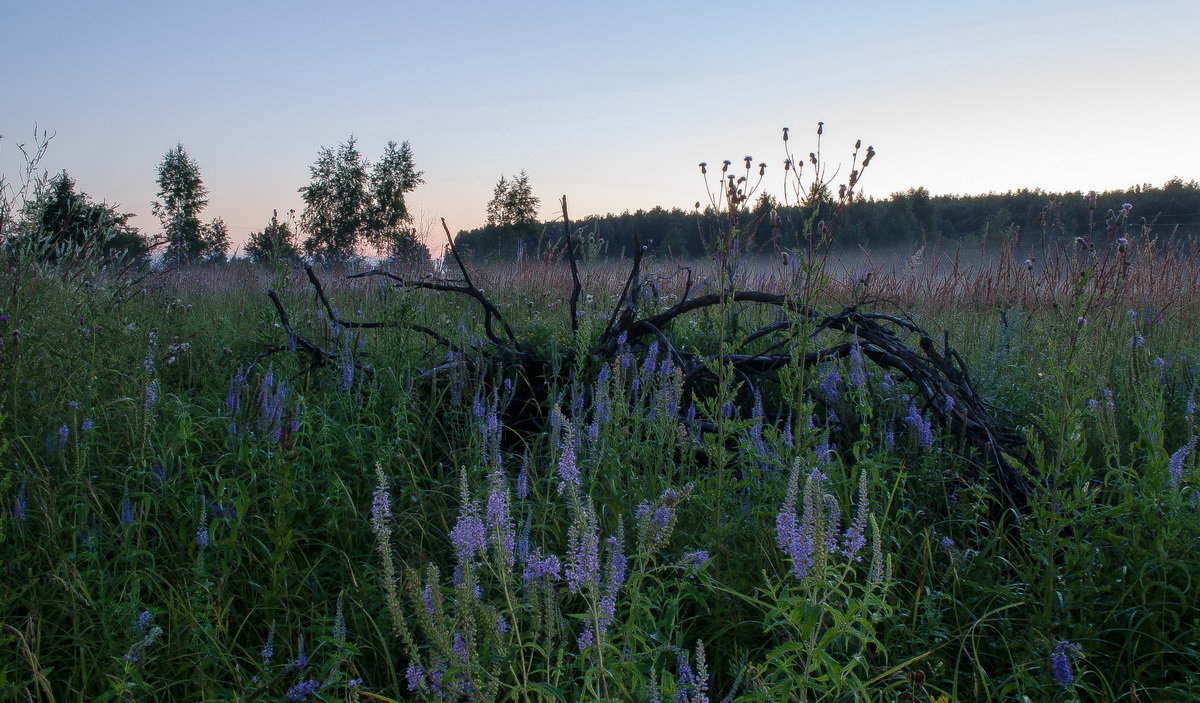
[(186, 518)]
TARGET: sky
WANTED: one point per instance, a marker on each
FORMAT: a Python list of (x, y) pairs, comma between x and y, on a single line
[(611, 103)]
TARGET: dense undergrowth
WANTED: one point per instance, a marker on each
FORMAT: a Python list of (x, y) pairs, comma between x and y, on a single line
[(186, 519)]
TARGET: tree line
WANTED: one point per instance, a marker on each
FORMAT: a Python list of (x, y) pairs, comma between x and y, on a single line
[(901, 220), (349, 203)]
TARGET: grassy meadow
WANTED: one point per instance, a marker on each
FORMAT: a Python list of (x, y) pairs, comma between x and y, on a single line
[(193, 511)]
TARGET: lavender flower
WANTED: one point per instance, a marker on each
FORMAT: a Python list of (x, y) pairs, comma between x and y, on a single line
[(614, 579), (499, 520), (427, 598), (1060, 664), (858, 377), (126, 511), (302, 690), (138, 650), (830, 385), (695, 560), (461, 649), (63, 436), (922, 427), (800, 539), (202, 528), (233, 398), (568, 472), (151, 395), (415, 675), (143, 620), (651, 362), (583, 550), (855, 537), (1176, 464), (523, 479), (469, 535), (268, 649), (539, 569)]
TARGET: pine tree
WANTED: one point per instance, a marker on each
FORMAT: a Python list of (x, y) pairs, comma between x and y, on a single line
[(62, 222)]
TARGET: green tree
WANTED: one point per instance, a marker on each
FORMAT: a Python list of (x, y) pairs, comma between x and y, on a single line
[(336, 203), (214, 240), (63, 223), (389, 222), (350, 202), (276, 242), (513, 204), (181, 198)]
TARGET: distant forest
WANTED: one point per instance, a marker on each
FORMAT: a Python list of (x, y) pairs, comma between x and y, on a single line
[(901, 220)]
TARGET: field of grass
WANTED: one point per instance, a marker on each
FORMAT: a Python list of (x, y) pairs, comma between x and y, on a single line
[(187, 518)]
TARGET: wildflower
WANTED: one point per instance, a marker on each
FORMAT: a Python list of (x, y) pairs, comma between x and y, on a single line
[(63, 436), (339, 621), (855, 537), (202, 528), (922, 427), (799, 540), (268, 649), (1060, 664), (614, 579), (1159, 363), (415, 675), (695, 560), (1176, 464), (469, 535), (148, 635), (829, 385), (126, 511), (87, 425), (499, 520), (301, 659), (858, 377), (301, 690), (539, 569), (568, 472), (523, 479), (461, 649), (1137, 340), (583, 550)]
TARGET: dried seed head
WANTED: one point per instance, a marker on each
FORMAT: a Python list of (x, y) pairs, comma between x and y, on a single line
[(857, 144), (703, 167), (725, 165), (812, 158), (820, 128), (762, 168)]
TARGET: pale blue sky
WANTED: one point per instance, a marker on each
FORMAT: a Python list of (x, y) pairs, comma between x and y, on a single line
[(612, 103)]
